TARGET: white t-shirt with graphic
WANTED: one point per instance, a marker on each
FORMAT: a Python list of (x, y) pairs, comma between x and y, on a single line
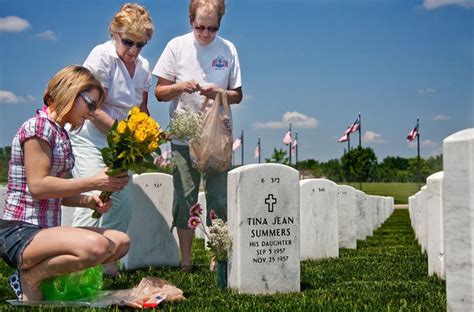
[(123, 93), (184, 58)]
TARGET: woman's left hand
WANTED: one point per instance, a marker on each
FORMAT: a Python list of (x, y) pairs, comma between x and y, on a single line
[(96, 204), (209, 91)]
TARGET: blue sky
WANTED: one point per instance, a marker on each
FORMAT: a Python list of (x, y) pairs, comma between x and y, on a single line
[(313, 63)]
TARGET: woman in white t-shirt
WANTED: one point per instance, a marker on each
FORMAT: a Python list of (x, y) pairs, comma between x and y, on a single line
[(191, 68), (126, 78)]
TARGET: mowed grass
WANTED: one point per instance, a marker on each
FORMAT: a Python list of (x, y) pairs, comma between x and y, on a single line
[(387, 272), (399, 191)]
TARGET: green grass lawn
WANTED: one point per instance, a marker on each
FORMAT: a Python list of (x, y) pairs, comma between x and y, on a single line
[(399, 191), (387, 272)]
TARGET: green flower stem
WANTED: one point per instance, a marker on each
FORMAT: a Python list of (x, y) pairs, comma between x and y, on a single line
[(104, 197)]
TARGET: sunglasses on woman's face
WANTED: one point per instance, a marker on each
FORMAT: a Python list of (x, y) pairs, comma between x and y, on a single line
[(130, 43), (201, 28), (91, 105)]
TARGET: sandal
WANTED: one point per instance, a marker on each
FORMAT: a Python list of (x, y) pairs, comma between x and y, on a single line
[(14, 282)]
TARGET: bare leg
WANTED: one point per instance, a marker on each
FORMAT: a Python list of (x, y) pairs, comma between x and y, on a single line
[(62, 250), (185, 243)]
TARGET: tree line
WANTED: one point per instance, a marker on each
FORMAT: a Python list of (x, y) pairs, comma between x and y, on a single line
[(361, 165)]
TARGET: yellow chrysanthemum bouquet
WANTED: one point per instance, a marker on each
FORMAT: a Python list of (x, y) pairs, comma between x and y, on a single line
[(131, 142)]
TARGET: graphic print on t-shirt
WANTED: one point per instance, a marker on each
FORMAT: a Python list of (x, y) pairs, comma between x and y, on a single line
[(219, 63)]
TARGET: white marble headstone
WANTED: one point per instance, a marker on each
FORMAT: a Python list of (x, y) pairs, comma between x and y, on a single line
[(372, 204), (318, 214), (3, 190), (434, 188), (421, 200), (347, 220), (458, 214), (152, 242), (264, 219), (410, 211), (361, 215)]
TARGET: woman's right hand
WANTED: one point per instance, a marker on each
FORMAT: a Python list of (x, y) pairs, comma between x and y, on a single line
[(104, 182), (189, 86)]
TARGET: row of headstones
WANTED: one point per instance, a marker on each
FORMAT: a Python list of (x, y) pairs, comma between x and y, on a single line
[(426, 215), (275, 219), (442, 216)]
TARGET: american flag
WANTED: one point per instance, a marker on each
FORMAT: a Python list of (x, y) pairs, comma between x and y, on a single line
[(355, 126), (344, 137), (287, 138), (412, 134), (236, 144), (257, 151), (293, 148)]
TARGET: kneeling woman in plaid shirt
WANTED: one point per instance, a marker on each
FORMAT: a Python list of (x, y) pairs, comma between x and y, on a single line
[(31, 238)]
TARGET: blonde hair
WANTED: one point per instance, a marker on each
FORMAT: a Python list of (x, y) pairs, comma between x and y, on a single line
[(134, 20), (64, 88), (217, 6)]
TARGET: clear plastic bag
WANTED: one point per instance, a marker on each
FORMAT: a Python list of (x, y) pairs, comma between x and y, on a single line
[(212, 152)]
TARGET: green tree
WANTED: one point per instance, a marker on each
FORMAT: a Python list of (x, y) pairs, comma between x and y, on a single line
[(278, 156), (331, 170), (359, 164), (392, 169), (4, 160)]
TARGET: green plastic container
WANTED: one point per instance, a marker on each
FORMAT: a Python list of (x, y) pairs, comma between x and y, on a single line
[(78, 285)]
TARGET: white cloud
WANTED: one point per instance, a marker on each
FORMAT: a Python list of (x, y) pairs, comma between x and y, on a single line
[(9, 97), (434, 4), (13, 24), (373, 137), (426, 91), (298, 120), (441, 117), (47, 35)]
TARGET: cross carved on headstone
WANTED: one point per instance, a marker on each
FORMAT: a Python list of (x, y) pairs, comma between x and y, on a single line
[(270, 201)]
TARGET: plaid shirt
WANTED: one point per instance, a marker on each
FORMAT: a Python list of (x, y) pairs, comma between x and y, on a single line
[(19, 204)]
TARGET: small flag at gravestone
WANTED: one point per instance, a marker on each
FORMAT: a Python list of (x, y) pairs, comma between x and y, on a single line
[(287, 138), (412, 134), (257, 151)]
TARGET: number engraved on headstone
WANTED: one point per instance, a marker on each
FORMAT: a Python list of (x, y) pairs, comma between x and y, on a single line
[(275, 180), (270, 201), (322, 189), (158, 184)]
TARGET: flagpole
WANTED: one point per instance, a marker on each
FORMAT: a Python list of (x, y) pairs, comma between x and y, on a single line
[(296, 152), (418, 149), (289, 145), (349, 157), (360, 129), (259, 150), (242, 141), (348, 142)]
